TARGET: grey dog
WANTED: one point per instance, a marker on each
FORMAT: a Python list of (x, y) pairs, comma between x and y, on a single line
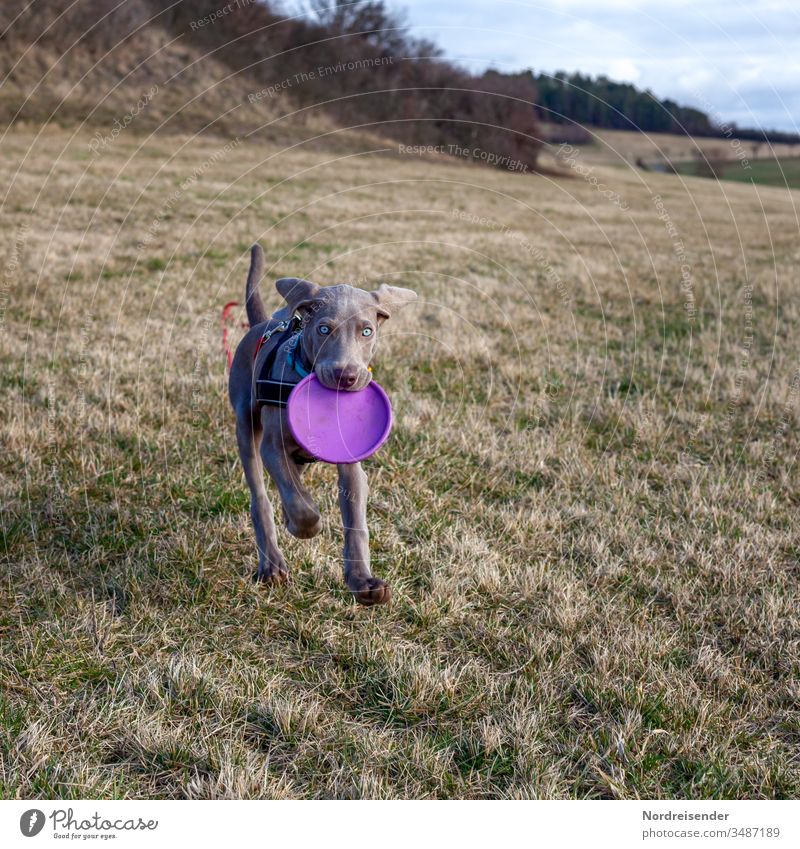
[(337, 335)]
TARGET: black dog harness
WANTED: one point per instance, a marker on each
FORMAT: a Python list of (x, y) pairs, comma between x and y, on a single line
[(270, 390), (275, 392)]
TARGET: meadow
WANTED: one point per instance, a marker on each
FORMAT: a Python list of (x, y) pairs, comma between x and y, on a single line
[(624, 147), (587, 509), (770, 164), (769, 172)]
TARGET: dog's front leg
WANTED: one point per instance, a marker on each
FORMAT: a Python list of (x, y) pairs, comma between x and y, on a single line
[(271, 565), (299, 510), (353, 491)]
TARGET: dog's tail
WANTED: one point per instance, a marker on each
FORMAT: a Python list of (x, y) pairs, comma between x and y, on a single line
[(255, 306)]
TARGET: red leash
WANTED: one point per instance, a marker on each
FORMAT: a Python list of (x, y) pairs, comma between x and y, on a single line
[(226, 311)]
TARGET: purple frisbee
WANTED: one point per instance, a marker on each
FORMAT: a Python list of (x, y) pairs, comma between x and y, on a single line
[(339, 427)]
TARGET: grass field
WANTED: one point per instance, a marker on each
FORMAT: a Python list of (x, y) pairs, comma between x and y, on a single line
[(621, 148), (767, 172), (587, 509)]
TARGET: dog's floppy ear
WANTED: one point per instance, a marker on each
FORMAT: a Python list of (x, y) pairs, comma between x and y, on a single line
[(391, 298), (299, 294)]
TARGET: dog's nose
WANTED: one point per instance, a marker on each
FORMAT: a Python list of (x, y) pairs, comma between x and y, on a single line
[(345, 377)]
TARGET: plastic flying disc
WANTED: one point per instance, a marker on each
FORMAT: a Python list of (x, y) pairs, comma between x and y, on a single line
[(339, 427)]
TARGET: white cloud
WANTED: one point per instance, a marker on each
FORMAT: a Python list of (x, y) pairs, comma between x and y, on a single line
[(624, 70)]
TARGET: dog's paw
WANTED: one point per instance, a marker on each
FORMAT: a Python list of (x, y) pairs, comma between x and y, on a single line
[(272, 573), (371, 591)]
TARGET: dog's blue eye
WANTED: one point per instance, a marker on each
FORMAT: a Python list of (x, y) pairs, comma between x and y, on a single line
[(324, 329), (367, 331)]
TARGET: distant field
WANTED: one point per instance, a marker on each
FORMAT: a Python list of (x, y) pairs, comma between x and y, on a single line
[(676, 148), (622, 149), (587, 508), (767, 172)]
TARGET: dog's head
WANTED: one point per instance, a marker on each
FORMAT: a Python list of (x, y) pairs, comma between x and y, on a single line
[(340, 327)]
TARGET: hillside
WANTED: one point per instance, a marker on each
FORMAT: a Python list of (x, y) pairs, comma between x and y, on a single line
[(131, 73), (587, 508), (247, 69)]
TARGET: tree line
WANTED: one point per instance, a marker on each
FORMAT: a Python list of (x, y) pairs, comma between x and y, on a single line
[(600, 102)]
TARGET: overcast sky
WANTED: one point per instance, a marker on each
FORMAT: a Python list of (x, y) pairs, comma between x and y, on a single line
[(737, 61)]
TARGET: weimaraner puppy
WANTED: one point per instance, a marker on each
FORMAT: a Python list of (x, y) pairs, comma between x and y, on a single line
[(334, 332)]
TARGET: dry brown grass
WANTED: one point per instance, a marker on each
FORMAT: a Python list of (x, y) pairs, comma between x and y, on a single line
[(587, 509)]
